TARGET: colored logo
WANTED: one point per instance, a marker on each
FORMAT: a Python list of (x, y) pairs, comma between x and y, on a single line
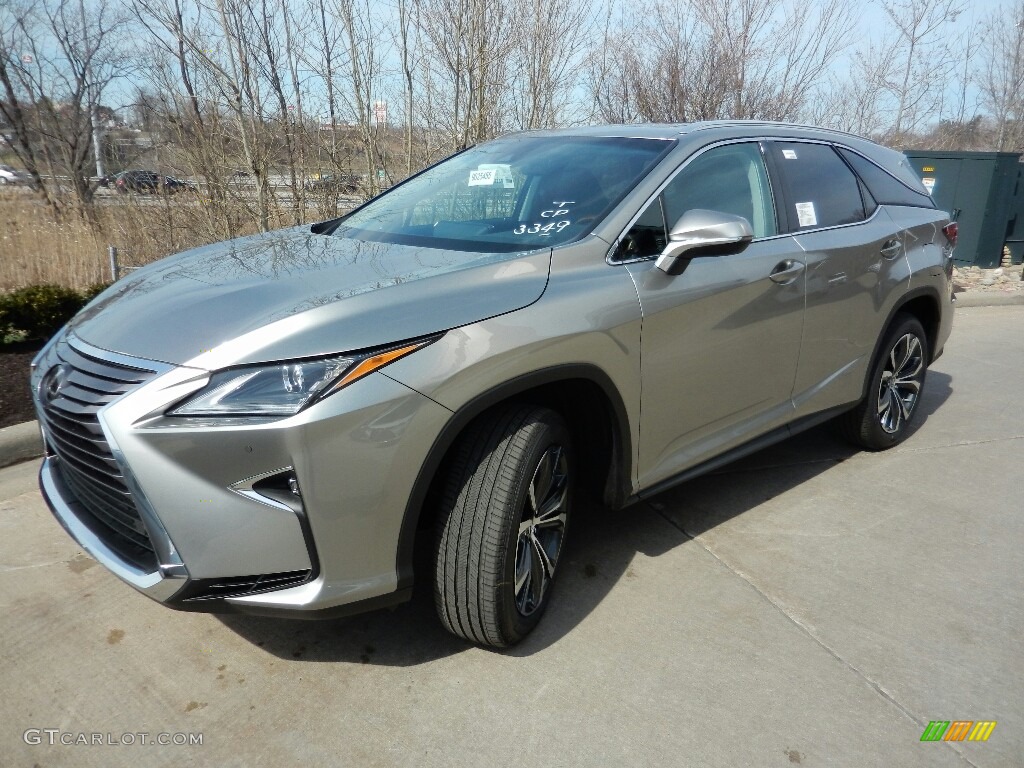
[(958, 730)]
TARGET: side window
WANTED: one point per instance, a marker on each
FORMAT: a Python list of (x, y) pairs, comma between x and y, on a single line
[(885, 188), (820, 189), (648, 235), (730, 179), (870, 204)]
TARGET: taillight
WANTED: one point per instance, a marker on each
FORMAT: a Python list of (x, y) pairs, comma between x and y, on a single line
[(950, 231)]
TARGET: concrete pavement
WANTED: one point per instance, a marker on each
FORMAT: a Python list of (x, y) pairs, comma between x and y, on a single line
[(808, 605)]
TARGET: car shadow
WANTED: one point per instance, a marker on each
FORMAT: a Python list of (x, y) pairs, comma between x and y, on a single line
[(599, 552)]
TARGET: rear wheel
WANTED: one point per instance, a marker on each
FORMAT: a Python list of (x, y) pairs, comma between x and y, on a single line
[(502, 524), (882, 419)]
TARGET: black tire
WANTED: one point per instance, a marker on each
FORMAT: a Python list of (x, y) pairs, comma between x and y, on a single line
[(882, 419), (489, 527)]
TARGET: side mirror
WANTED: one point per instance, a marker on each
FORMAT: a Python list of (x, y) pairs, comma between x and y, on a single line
[(701, 232)]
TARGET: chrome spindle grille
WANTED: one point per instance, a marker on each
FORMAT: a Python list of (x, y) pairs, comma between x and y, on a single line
[(71, 395)]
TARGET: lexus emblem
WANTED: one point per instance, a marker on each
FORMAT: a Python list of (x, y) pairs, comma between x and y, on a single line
[(54, 381)]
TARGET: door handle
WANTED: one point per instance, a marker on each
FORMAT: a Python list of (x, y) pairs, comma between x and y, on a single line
[(891, 249), (786, 272)]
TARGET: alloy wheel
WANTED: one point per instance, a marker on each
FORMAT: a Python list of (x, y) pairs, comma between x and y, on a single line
[(541, 529), (900, 384)]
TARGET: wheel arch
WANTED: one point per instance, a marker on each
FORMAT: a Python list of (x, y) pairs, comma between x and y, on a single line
[(922, 303), (577, 392)]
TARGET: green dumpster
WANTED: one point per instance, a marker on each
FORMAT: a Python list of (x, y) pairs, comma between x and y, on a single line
[(983, 191)]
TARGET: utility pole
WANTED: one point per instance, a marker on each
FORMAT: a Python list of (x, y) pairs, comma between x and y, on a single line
[(97, 137), (93, 107)]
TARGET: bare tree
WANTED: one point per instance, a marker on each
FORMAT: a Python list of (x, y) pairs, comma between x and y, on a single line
[(467, 45), (923, 62), (365, 55), (57, 59), (406, 38), (718, 59), (553, 37), (1001, 75), (274, 42), (324, 54), (855, 101)]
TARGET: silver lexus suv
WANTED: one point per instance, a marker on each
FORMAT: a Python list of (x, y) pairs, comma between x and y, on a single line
[(274, 424)]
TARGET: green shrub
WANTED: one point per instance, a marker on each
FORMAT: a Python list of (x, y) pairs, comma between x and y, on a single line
[(94, 290), (36, 312)]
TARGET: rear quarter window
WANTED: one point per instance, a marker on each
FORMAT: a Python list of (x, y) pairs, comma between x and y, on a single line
[(884, 187)]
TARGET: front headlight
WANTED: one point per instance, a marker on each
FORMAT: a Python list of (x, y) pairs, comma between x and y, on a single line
[(284, 389)]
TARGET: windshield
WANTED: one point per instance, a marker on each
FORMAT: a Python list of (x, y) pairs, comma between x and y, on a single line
[(513, 194)]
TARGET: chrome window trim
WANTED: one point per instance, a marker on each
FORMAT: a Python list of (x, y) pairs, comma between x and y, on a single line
[(611, 250), (661, 188), (888, 173), (834, 145)]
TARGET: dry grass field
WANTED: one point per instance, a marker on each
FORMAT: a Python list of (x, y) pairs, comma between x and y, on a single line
[(36, 249)]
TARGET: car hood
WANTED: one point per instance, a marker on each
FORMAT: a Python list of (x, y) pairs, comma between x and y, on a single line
[(292, 294)]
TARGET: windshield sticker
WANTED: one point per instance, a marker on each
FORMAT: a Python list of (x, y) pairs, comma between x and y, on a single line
[(805, 214), (789, 154), (929, 184), (482, 178), (488, 174)]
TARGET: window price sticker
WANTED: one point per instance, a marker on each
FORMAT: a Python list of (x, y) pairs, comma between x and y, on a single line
[(805, 214), (481, 177), (489, 174)]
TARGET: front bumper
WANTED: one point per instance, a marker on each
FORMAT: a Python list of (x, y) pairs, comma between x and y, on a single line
[(221, 541), (161, 584)]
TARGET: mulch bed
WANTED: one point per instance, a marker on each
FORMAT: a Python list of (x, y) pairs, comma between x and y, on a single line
[(15, 399)]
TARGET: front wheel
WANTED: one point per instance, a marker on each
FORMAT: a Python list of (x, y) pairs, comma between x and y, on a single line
[(502, 526), (882, 419)]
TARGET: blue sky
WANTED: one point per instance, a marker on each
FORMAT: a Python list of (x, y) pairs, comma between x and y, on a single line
[(872, 23)]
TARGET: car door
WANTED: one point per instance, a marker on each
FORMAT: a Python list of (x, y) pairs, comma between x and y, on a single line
[(854, 258), (720, 341)]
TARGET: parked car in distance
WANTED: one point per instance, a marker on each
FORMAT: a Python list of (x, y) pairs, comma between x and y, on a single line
[(172, 184), (137, 181), (150, 182), (275, 424), (338, 183), (10, 176)]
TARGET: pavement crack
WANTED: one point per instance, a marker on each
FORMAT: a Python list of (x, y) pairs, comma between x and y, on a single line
[(959, 444), (10, 568), (803, 628)]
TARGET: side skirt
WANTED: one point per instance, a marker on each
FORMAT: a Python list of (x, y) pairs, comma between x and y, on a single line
[(758, 443)]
